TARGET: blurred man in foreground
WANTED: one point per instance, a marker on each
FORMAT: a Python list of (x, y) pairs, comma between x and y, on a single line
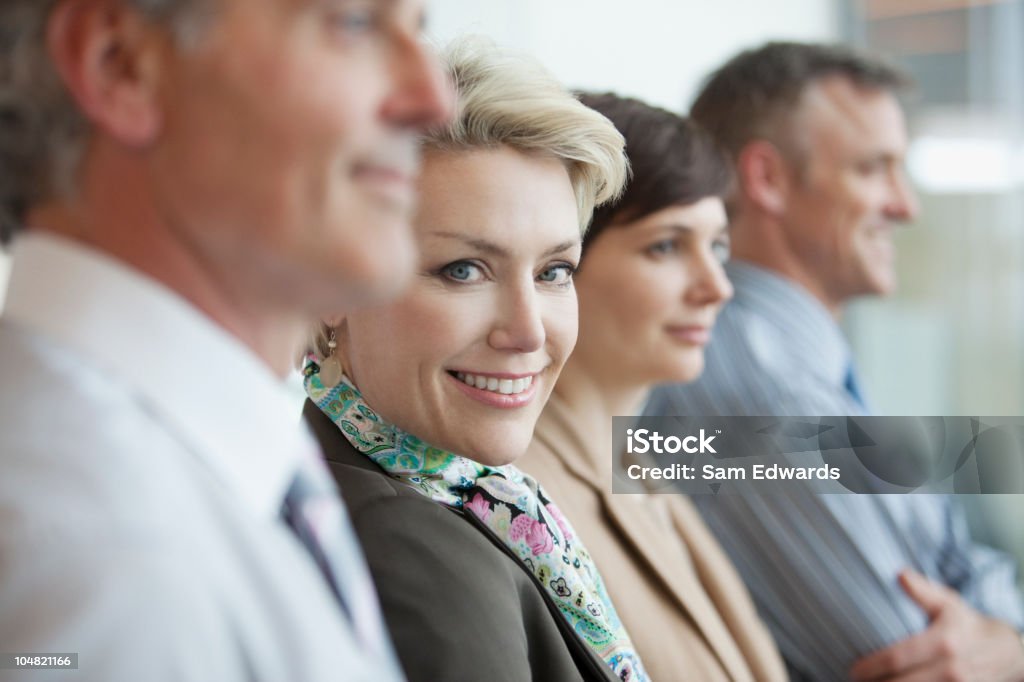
[(190, 182)]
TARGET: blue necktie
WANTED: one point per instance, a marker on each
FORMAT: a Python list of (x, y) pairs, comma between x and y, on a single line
[(852, 386)]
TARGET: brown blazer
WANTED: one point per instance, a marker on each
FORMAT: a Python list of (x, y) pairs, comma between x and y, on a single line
[(459, 606), (686, 610)]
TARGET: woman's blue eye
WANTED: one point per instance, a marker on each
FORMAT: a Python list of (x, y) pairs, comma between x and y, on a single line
[(461, 271), (359, 21), (663, 247), (721, 250), (354, 19), (559, 274)]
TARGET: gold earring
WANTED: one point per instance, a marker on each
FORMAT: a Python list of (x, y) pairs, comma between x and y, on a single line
[(331, 370)]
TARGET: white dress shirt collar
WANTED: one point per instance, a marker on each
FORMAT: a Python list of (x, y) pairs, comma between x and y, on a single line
[(212, 391)]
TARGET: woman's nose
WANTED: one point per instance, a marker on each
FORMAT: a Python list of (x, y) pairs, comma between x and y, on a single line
[(709, 284), (518, 322)]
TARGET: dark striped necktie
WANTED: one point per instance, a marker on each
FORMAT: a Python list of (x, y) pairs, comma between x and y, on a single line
[(314, 511)]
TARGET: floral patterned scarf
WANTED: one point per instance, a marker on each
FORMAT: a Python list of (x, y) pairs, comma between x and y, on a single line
[(507, 501)]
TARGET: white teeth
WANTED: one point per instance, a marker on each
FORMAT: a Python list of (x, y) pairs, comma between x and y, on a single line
[(503, 386)]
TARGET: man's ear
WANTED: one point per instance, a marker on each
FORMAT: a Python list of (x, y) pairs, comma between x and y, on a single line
[(109, 58), (764, 178)]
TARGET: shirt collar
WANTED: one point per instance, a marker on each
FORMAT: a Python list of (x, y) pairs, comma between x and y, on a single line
[(812, 336), (213, 393)]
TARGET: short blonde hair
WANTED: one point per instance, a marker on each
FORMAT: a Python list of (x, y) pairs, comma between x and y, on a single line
[(506, 99)]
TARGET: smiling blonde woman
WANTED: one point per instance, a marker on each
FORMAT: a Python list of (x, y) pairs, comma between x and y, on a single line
[(423, 405)]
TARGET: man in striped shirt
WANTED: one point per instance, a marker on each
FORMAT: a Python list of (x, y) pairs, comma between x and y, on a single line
[(862, 586)]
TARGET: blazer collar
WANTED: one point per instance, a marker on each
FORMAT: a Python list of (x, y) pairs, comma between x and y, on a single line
[(336, 448), (565, 435)]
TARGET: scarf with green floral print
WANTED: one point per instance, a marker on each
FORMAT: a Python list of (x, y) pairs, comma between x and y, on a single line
[(509, 502)]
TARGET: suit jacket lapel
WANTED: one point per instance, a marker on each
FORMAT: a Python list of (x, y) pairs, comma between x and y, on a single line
[(565, 434)]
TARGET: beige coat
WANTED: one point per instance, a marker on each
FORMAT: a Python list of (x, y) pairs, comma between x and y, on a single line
[(688, 613)]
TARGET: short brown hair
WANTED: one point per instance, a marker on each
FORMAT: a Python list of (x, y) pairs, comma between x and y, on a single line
[(673, 161), (753, 93)]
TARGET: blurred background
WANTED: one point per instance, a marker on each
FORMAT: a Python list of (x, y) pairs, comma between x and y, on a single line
[(951, 342)]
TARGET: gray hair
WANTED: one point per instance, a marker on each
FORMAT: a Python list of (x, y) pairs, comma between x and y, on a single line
[(754, 94), (42, 131)]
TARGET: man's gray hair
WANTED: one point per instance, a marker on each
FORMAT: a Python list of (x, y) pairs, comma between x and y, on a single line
[(42, 131), (755, 94)]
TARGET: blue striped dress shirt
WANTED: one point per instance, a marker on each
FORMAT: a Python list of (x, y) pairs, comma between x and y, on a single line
[(823, 568)]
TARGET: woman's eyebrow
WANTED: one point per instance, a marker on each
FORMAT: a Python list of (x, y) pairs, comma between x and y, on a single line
[(491, 248), (477, 243), (677, 227), (564, 246), (684, 228)]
